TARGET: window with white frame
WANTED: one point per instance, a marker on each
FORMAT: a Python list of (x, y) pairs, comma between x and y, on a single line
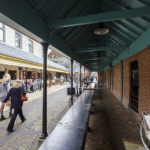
[(2, 30), (18, 39), (30, 45)]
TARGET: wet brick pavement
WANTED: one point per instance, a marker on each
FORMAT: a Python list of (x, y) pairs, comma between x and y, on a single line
[(27, 133), (112, 126)]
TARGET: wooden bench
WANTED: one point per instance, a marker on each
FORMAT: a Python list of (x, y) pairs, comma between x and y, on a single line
[(70, 132)]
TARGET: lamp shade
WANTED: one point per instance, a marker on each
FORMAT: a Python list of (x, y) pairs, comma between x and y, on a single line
[(101, 31)]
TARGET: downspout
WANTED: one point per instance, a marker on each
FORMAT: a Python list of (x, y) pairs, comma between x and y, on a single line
[(121, 98)]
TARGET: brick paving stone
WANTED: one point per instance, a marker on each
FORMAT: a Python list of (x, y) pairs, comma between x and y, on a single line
[(26, 134), (37, 94)]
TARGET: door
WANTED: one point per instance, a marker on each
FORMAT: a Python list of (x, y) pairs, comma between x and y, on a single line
[(13, 74), (2, 74), (134, 85)]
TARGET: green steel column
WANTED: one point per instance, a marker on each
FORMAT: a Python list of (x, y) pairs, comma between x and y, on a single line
[(110, 78), (80, 79), (84, 74), (71, 80), (112, 74), (44, 121)]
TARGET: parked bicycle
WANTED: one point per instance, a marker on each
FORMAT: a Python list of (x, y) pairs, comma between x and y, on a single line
[(145, 130)]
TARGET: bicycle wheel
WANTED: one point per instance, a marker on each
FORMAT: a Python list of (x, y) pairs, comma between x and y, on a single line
[(143, 137)]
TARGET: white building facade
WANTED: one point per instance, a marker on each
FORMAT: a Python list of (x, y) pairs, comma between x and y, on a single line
[(14, 38), (21, 56)]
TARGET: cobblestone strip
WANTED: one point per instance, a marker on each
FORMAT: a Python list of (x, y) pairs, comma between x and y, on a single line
[(38, 94), (27, 134)]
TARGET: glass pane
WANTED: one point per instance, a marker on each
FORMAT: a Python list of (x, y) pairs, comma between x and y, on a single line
[(30, 44), (1, 35), (16, 42), (1, 25), (18, 39)]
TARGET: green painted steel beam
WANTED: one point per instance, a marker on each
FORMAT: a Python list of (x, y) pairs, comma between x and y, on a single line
[(109, 41), (84, 37), (117, 30), (85, 41), (83, 8), (112, 5), (60, 44), (73, 33), (24, 15), (78, 8), (122, 38), (97, 59), (141, 22), (132, 26), (125, 30), (60, 9), (66, 8), (102, 48), (101, 17), (136, 46), (79, 35), (97, 68), (115, 38), (41, 4), (128, 27), (66, 32)]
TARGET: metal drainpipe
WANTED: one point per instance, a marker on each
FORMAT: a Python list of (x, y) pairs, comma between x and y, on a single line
[(80, 79), (44, 121), (71, 80), (112, 78), (121, 98)]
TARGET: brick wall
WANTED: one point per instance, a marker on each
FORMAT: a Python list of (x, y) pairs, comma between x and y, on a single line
[(117, 80), (106, 72), (143, 59), (101, 77)]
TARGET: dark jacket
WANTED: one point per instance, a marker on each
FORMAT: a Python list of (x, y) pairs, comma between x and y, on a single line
[(14, 93)]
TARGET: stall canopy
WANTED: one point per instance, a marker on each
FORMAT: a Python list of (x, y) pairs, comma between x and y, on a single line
[(70, 26), (15, 57)]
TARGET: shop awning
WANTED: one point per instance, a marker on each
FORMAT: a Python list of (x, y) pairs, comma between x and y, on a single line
[(7, 60)]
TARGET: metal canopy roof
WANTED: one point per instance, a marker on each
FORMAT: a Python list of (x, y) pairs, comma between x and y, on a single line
[(69, 26)]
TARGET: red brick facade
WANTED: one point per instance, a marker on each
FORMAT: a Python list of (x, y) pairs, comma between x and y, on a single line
[(107, 77), (143, 59), (117, 80), (101, 77), (55, 55)]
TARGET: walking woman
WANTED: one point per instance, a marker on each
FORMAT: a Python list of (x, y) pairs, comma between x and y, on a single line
[(16, 103), (4, 89)]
